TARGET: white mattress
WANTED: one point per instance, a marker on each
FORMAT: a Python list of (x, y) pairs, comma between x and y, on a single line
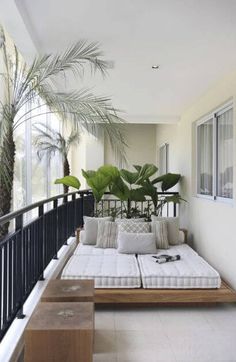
[(190, 272), (91, 250), (114, 271)]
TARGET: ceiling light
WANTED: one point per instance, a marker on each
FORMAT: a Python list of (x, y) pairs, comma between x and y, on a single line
[(155, 66)]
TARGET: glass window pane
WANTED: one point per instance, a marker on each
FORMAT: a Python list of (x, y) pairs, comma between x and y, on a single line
[(205, 157), (225, 155), (19, 183)]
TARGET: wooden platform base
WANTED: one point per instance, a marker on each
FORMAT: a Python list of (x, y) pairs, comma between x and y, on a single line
[(165, 296)]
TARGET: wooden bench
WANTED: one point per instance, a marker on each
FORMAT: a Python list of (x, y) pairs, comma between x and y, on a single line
[(60, 332)]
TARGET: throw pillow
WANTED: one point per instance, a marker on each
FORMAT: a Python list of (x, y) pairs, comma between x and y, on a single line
[(172, 228), (91, 229), (159, 228), (136, 243), (139, 219), (107, 234), (134, 227)]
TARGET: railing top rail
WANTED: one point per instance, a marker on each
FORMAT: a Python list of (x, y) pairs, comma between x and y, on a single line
[(14, 214), (158, 192)]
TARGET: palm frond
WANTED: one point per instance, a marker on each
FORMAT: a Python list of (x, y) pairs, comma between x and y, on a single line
[(89, 112)]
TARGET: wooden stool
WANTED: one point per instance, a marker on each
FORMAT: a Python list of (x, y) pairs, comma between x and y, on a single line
[(60, 332), (62, 290)]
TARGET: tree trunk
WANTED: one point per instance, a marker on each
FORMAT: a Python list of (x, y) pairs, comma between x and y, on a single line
[(6, 178), (66, 170)]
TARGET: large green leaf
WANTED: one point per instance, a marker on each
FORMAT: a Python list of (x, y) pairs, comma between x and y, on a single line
[(110, 171), (88, 174), (69, 181), (150, 190), (98, 183), (168, 180), (120, 189), (129, 177), (137, 167), (176, 199), (137, 194), (146, 171)]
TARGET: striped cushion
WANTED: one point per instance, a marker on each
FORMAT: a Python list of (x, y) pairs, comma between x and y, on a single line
[(159, 228), (107, 234)]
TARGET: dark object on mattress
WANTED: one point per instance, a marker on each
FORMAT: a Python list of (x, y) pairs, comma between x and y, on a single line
[(166, 258)]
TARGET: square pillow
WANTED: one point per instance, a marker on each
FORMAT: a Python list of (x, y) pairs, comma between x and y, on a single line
[(91, 229), (138, 219), (107, 234), (172, 228), (136, 243), (134, 227), (159, 228)]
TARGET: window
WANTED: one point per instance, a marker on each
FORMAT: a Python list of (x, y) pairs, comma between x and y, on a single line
[(215, 154), (34, 180), (163, 159)]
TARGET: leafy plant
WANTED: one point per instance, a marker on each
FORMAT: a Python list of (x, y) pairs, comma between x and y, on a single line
[(48, 141), (100, 180), (129, 186), (69, 181), (27, 84)]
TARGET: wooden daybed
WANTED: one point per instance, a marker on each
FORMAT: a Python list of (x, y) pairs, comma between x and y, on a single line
[(144, 297)]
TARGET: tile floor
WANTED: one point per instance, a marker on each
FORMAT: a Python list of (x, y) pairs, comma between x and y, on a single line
[(166, 334)]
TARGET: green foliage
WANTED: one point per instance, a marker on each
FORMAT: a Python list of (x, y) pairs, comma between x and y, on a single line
[(69, 181), (120, 189), (98, 182), (110, 171), (132, 186), (34, 85), (129, 177), (145, 172), (168, 180)]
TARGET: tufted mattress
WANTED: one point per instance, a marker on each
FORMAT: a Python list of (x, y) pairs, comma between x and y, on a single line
[(191, 271), (91, 250), (114, 271)]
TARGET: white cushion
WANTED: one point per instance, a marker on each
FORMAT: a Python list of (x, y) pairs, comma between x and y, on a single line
[(136, 243), (172, 227), (134, 227), (181, 237), (107, 234), (159, 228), (140, 219), (91, 229)]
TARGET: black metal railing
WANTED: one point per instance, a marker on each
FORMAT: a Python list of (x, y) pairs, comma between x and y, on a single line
[(28, 249), (114, 206)]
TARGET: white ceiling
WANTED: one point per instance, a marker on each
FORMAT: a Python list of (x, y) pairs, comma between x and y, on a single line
[(193, 41)]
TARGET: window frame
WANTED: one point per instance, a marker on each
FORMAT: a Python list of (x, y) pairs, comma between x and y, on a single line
[(165, 149), (214, 116)]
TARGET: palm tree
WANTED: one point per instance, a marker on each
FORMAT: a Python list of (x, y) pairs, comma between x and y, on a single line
[(49, 141), (26, 84)]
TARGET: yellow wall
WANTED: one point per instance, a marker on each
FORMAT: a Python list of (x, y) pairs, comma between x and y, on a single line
[(212, 225)]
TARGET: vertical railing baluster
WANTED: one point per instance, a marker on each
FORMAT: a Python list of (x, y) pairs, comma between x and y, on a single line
[(42, 241), (10, 282), (19, 228), (1, 290)]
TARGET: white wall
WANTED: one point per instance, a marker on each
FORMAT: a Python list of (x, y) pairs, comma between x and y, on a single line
[(89, 155), (141, 139), (212, 225)]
